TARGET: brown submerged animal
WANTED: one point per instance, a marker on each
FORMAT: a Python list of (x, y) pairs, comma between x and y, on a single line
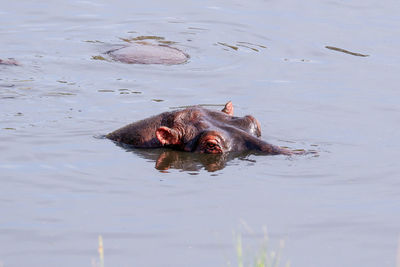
[(196, 129), (144, 53), (9, 61)]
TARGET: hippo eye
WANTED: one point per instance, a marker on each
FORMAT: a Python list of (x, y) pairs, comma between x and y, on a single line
[(212, 147), (211, 142)]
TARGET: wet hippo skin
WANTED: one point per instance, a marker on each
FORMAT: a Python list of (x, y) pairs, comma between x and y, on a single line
[(197, 129), (143, 53), (9, 61)]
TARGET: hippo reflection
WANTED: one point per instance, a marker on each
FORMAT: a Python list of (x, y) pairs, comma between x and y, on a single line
[(190, 162), (196, 129), (165, 159)]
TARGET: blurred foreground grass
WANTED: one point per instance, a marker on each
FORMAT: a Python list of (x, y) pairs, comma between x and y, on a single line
[(99, 263), (398, 254), (264, 256)]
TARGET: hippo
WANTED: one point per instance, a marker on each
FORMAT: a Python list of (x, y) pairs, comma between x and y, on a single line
[(197, 129), (9, 61), (146, 53)]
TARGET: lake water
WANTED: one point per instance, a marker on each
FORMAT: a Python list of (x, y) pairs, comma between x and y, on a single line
[(62, 187)]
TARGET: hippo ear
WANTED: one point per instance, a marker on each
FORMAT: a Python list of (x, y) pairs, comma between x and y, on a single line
[(167, 136), (228, 109)]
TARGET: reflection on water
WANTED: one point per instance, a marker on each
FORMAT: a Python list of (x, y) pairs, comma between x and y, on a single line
[(190, 161), (165, 159)]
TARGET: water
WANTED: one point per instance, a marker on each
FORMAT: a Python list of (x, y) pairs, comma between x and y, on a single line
[(61, 187)]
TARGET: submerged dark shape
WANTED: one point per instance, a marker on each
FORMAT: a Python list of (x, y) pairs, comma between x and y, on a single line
[(9, 61), (145, 53), (346, 51), (196, 129), (165, 159), (185, 161)]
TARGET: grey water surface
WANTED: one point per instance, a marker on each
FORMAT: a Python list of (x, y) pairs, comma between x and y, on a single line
[(318, 75)]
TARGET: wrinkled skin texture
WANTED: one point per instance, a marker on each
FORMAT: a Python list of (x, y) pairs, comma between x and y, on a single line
[(196, 129), (143, 53)]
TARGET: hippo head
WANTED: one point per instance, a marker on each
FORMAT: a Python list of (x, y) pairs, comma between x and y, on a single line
[(196, 129)]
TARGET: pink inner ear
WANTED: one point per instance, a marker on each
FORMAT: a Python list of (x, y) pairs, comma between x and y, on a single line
[(228, 109), (167, 136)]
